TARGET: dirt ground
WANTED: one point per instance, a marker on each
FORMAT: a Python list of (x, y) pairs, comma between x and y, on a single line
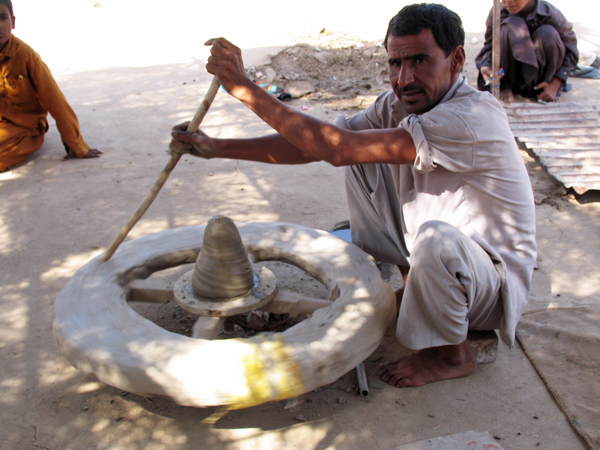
[(55, 216)]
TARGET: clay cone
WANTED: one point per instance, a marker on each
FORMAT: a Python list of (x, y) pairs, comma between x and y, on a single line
[(223, 269)]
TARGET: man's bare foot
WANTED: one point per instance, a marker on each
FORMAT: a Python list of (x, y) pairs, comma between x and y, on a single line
[(430, 365), (507, 96)]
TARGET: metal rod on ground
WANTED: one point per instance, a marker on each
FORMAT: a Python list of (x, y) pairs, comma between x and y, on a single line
[(496, 50), (192, 127), (363, 386)]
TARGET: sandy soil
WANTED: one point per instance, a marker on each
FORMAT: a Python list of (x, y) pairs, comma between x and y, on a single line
[(55, 216)]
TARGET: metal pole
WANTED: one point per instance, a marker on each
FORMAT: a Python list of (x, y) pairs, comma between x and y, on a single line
[(363, 386)]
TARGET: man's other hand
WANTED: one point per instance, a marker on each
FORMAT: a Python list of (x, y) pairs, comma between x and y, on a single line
[(197, 144), (226, 63)]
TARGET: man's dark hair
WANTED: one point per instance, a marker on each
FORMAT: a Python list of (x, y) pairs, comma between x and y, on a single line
[(8, 4), (445, 25)]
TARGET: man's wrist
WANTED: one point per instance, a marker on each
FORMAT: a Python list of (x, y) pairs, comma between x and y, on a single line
[(243, 92)]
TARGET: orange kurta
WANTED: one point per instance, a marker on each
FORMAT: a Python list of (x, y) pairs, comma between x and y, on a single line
[(28, 92)]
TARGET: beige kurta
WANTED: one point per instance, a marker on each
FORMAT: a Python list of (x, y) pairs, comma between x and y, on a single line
[(469, 174)]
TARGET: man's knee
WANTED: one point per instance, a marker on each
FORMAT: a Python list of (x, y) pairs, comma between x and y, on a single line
[(433, 238), (440, 246)]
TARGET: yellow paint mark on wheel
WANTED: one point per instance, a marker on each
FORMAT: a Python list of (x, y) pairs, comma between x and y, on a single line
[(271, 373)]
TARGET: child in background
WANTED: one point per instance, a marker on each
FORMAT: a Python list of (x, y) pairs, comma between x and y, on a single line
[(538, 50), (28, 92)]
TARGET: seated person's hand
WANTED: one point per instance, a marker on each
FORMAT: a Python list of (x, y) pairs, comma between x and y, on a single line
[(486, 73), (92, 153), (549, 90), (197, 144)]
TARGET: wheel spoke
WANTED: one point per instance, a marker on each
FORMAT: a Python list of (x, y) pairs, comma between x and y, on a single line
[(294, 304), (150, 291)]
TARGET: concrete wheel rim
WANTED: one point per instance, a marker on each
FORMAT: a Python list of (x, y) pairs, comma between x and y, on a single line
[(101, 335)]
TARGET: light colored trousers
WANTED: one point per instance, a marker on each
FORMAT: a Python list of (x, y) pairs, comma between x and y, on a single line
[(452, 285)]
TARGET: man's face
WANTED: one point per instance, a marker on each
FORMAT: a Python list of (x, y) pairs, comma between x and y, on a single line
[(7, 24), (517, 6), (420, 72)]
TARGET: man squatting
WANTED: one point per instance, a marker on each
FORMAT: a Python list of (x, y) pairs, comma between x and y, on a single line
[(435, 184)]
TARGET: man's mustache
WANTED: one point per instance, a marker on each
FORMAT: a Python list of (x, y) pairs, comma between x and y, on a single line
[(409, 87)]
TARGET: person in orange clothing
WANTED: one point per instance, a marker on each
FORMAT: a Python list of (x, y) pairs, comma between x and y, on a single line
[(28, 92)]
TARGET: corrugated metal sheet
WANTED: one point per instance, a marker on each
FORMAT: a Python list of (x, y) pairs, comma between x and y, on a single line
[(565, 137)]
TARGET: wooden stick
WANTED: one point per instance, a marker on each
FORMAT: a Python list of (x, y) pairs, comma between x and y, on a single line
[(496, 50), (192, 127)]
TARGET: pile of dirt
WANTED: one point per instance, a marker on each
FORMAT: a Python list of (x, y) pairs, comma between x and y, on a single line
[(334, 69)]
